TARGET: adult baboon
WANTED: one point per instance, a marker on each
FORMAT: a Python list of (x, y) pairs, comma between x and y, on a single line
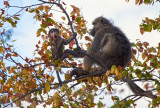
[(110, 45)]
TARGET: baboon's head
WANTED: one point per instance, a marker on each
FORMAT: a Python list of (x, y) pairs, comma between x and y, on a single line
[(53, 33), (98, 24)]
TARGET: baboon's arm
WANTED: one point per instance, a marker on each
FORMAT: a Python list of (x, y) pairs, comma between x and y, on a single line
[(68, 40)]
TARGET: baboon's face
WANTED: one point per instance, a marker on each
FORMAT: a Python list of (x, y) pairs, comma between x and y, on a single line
[(97, 25), (53, 33), (93, 32)]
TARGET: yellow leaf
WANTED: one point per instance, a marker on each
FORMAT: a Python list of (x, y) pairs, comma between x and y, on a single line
[(57, 99), (113, 68), (47, 86), (116, 72), (16, 18), (1, 49), (143, 56), (108, 72)]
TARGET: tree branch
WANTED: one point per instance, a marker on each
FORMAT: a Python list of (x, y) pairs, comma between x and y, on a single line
[(82, 53), (70, 23)]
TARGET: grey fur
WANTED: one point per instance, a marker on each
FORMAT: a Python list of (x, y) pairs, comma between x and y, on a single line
[(110, 45)]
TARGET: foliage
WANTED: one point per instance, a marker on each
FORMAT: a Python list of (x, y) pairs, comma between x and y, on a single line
[(35, 81)]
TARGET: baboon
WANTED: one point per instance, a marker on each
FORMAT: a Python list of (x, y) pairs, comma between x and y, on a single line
[(110, 45), (57, 42)]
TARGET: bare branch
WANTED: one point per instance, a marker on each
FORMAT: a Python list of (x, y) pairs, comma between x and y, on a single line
[(28, 6)]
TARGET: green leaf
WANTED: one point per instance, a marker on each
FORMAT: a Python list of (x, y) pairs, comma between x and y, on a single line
[(31, 10), (154, 102), (40, 92), (65, 106), (50, 20), (100, 104), (131, 68), (133, 44), (78, 19)]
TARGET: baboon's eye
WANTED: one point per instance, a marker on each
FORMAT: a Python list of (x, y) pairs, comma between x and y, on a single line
[(51, 31), (57, 31)]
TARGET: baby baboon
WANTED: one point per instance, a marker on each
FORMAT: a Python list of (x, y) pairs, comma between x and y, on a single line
[(57, 42), (110, 45)]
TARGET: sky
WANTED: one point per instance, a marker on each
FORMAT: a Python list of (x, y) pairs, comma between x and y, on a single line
[(126, 16)]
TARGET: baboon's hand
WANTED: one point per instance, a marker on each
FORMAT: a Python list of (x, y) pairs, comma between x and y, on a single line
[(74, 34)]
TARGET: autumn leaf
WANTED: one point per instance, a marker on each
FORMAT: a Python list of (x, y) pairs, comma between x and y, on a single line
[(142, 30), (0, 24), (15, 55), (16, 18), (100, 104), (63, 18), (47, 86), (78, 19), (6, 3), (1, 49), (7, 55), (145, 44), (8, 85)]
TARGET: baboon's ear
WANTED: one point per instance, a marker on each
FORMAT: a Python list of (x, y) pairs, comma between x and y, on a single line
[(104, 21)]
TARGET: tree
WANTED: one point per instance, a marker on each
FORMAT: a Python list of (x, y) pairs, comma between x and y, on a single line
[(44, 75)]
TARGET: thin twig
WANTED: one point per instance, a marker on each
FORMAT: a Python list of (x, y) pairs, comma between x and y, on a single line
[(27, 6)]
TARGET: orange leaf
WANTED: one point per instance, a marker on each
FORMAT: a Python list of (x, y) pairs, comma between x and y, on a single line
[(63, 18), (15, 55), (16, 18), (142, 30), (1, 49), (8, 85), (26, 59), (0, 24), (134, 51), (50, 15), (26, 65), (6, 3), (7, 55), (145, 44)]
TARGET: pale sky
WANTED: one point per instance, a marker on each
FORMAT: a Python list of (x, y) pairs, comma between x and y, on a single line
[(127, 16)]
